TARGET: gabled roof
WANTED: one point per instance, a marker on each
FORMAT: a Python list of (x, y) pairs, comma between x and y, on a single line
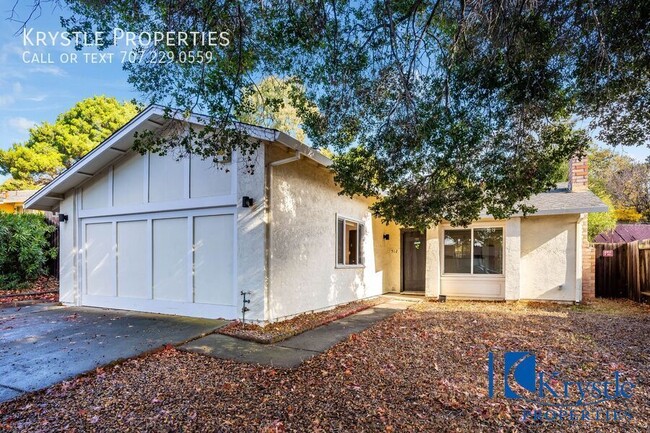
[(562, 201), (624, 233), (16, 196), (152, 118)]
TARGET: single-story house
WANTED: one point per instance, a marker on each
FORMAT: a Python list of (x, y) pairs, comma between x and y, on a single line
[(624, 233), (152, 233), (12, 201)]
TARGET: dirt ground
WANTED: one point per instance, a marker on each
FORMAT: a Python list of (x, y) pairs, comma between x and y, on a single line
[(422, 370)]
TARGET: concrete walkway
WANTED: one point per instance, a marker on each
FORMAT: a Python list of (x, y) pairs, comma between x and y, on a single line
[(43, 344), (294, 351)]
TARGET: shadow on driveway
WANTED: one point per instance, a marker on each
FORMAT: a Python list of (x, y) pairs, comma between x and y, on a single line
[(43, 344)]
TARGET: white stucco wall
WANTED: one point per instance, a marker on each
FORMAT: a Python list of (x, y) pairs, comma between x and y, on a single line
[(433, 267), (512, 264), (387, 254), (251, 234), (303, 209), (548, 257)]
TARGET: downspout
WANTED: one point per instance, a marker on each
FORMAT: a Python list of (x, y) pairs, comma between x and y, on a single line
[(269, 215), (578, 294)]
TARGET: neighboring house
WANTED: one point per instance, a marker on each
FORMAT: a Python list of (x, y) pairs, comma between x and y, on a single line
[(150, 233), (624, 233), (12, 201)]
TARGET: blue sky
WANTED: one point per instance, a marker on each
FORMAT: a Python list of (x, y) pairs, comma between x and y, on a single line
[(31, 92)]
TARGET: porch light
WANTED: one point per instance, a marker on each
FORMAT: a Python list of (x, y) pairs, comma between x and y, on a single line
[(386, 236), (63, 218)]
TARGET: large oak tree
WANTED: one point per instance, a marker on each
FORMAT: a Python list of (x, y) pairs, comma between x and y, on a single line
[(440, 108)]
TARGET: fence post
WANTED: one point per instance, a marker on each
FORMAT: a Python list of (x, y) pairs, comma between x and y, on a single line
[(633, 269)]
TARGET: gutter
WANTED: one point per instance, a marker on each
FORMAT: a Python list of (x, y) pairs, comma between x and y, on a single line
[(269, 216)]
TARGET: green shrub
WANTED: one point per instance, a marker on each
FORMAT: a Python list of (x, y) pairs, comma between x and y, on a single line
[(24, 248), (601, 221)]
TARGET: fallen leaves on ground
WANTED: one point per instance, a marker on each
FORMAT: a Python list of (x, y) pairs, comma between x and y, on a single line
[(278, 331), (39, 290), (422, 370)]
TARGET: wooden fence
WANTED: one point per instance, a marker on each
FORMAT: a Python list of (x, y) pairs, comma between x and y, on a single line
[(623, 270)]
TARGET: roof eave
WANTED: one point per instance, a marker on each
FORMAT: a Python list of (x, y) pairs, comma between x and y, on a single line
[(567, 211), (48, 198)]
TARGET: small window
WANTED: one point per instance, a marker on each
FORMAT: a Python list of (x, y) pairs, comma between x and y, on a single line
[(476, 251), (348, 242)]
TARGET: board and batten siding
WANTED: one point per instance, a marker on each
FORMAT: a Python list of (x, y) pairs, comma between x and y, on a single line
[(163, 235)]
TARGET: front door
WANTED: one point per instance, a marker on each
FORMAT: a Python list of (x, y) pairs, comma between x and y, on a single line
[(413, 261)]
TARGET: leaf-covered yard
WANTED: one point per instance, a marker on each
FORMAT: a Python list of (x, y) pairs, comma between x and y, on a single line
[(424, 369)]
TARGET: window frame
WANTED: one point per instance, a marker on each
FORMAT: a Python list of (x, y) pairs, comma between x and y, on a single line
[(471, 228), (360, 230)]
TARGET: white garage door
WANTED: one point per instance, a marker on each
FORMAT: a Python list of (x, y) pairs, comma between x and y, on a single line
[(174, 262)]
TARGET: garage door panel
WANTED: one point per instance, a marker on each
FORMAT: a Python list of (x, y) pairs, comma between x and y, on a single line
[(170, 255), (99, 263), (133, 271), (213, 259), (179, 262)]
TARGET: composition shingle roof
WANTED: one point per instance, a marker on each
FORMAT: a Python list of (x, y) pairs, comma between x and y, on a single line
[(625, 233), (16, 196), (561, 201)]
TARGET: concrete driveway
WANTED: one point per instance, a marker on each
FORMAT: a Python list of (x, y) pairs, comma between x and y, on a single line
[(43, 344)]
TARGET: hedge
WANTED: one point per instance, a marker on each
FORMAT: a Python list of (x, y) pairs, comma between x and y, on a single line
[(24, 248)]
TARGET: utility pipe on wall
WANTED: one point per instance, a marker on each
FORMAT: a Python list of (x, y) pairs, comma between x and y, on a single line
[(578, 287)]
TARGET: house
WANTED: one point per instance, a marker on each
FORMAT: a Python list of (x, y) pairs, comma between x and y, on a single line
[(150, 233), (12, 201), (624, 233)]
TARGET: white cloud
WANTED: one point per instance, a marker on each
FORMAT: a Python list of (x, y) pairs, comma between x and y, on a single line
[(49, 70), (10, 96), (21, 123), (10, 51), (36, 98)]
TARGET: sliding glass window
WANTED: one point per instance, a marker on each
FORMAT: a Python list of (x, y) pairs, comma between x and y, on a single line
[(477, 251)]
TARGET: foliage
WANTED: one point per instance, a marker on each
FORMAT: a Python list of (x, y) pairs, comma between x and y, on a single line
[(280, 331), (627, 214), (421, 370), (52, 147), (44, 289), (268, 103), (24, 248), (623, 179), (12, 184), (601, 221), (445, 108)]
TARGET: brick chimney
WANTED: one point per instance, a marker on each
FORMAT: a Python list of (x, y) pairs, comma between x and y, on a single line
[(578, 174)]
